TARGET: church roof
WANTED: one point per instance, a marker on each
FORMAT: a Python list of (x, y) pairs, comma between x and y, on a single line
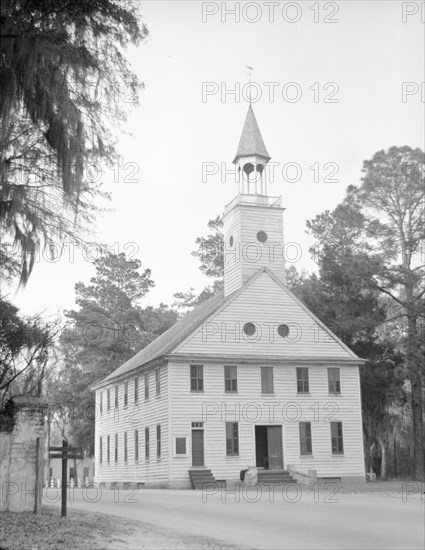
[(169, 339), (251, 142), (172, 340)]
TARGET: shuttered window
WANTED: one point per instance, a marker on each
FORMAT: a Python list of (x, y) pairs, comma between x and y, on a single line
[(302, 380), (334, 380), (101, 402), (125, 447), (306, 447), (100, 450), (157, 382), (108, 400), (196, 378), (116, 397), (158, 441), (136, 445), (146, 385), (147, 443), (337, 438), (267, 385), (125, 394), (232, 439), (116, 447), (136, 390), (108, 448), (230, 379), (180, 446)]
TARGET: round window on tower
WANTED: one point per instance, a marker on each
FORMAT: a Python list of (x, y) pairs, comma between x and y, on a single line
[(249, 329), (283, 330), (231, 241), (262, 236)]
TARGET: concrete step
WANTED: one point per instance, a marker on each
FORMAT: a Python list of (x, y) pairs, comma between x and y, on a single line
[(202, 477)]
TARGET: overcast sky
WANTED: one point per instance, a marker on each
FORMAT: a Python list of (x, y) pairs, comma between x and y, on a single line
[(337, 99)]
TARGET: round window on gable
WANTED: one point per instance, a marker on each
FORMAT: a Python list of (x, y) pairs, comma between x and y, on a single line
[(249, 329), (262, 236), (231, 241), (283, 330)]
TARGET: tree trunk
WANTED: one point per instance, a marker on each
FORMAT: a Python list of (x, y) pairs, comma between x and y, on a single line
[(413, 367), (383, 459)]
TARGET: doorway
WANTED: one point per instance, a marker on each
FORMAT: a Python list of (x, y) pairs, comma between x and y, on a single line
[(197, 446), (268, 447)]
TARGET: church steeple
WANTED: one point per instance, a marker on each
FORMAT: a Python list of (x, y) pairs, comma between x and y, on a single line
[(251, 158), (251, 142), (253, 221)]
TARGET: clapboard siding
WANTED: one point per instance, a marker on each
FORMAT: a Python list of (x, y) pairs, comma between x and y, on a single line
[(253, 220), (145, 413), (232, 271), (265, 303), (247, 254), (249, 408)]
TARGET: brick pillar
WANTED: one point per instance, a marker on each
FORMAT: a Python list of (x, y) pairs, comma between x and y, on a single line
[(22, 423)]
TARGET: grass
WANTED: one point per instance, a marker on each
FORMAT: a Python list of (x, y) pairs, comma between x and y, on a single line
[(83, 531), (80, 530)]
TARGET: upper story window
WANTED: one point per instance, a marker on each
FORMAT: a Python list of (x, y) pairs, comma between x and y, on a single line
[(230, 379), (125, 447), (158, 382), (116, 447), (116, 397), (101, 402), (267, 384), (100, 450), (334, 380), (136, 390), (146, 385), (337, 438), (108, 448), (108, 399), (196, 378), (302, 380), (125, 394)]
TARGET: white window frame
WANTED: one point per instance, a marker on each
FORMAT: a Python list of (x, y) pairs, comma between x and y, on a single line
[(180, 455)]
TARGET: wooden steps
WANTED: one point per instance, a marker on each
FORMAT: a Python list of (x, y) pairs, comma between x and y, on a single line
[(202, 477), (275, 477)]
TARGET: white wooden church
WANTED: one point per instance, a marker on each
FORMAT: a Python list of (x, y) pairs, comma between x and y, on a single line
[(249, 378)]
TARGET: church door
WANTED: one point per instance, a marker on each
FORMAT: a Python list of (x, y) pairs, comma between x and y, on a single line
[(197, 447)]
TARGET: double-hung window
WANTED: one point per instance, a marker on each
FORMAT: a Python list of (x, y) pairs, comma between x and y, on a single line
[(306, 447), (334, 380), (302, 380), (230, 379), (232, 439), (196, 378), (337, 438)]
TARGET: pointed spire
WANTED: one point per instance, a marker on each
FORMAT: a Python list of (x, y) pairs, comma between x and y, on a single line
[(251, 142)]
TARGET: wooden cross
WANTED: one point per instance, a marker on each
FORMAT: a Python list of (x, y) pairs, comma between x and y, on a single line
[(64, 452)]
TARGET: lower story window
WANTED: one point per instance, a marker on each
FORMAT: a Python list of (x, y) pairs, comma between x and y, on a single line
[(180, 446), (232, 439), (305, 438), (337, 438), (147, 443), (158, 441)]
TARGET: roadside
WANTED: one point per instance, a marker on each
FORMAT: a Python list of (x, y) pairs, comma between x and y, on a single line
[(87, 530)]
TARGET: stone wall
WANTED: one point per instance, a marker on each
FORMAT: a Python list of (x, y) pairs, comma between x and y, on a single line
[(21, 465)]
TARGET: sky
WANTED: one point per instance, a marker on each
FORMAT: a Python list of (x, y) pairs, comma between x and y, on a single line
[(332, 83)]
